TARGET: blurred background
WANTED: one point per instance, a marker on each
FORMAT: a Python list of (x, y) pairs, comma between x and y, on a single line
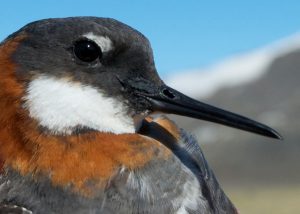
[(243, 56)]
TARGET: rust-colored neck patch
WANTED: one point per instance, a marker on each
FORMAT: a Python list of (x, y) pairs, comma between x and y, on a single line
[(167, 124), (66, 160), (1, 165)]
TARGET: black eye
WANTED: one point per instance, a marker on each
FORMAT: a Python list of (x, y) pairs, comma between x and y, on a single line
[(87, 51)]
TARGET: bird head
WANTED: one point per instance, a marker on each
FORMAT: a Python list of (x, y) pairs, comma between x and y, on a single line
[(89, 73)]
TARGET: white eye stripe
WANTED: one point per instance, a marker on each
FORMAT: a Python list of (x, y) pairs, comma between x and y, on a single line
[(104, 42)]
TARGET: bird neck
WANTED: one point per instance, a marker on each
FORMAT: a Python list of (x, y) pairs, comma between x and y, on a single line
[(29, 151), (99, 156)]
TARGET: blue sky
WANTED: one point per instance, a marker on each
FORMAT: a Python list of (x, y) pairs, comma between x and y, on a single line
[(184, 34)]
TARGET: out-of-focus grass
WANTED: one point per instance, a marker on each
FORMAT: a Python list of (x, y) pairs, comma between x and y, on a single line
[(274, 200)]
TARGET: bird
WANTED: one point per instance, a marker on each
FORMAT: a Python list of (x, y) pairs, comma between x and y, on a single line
[(83, 126)]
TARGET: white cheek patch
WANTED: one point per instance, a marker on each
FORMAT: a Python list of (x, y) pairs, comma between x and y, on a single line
[(103, 41), (61, 105)]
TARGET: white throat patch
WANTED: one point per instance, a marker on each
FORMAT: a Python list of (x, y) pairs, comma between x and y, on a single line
[(61, 106)]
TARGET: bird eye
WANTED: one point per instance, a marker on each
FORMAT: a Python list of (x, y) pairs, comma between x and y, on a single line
[(87, 51)]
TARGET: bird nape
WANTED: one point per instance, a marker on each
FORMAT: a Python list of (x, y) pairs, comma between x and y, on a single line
[(77, 133)]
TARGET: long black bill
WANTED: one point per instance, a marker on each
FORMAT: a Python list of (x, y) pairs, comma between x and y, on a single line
[(168, 100)]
